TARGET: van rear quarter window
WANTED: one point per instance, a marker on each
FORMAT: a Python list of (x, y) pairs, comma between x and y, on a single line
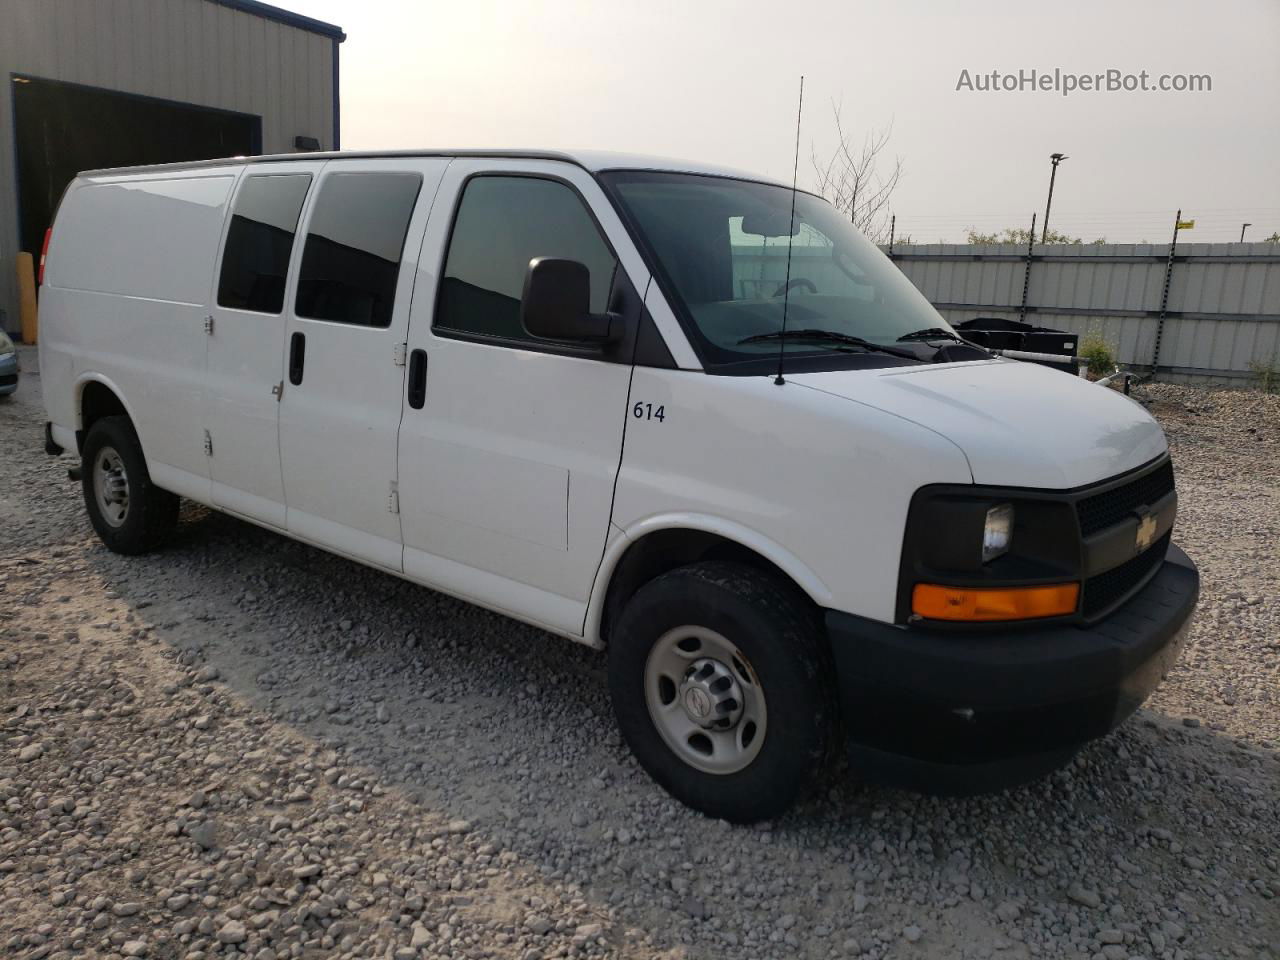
[(355, 240), (502, 224), (260, 241), (141, 238)]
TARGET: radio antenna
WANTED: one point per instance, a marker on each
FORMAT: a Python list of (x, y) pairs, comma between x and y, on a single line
[(786, 289)]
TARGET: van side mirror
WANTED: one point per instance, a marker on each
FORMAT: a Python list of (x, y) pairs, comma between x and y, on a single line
[(556, 303)]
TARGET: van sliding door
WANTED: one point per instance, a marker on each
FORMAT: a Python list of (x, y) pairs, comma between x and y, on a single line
[(345, 329), (245, 336)]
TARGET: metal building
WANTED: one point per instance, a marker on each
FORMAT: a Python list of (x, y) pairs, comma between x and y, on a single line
[(1201, 313), (105, 83)]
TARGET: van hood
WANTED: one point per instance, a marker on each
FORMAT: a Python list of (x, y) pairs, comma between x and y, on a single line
[(1019, 424)]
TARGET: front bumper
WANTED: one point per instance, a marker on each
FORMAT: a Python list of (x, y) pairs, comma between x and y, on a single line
[(960, 711), (9, 374)]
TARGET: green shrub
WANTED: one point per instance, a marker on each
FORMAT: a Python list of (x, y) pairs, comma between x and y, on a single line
[(1266, 376), (1095, 351)]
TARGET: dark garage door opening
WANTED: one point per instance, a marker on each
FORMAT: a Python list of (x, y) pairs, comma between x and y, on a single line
[(63, 128)]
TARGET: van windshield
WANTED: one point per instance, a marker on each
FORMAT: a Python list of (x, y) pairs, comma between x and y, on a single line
[(722, 245)]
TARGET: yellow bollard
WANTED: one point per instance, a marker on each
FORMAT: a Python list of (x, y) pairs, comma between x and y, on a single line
[(27, 310)]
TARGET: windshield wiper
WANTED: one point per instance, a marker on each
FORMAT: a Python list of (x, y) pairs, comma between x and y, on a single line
[(830, 336), (931, 333)]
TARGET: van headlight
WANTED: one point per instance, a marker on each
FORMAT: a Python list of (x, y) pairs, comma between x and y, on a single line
[(960, 539), (997, 532)]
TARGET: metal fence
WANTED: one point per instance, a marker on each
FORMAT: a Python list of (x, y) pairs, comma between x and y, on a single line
[(1202, 312)]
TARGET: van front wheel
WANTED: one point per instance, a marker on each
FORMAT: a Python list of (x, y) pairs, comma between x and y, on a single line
[(129, 513), (723, 687)]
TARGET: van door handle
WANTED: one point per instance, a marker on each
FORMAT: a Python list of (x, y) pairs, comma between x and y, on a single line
[(417, 379), (297, 357)]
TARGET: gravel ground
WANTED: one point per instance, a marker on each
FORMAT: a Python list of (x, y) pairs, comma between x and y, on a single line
[(244, 746)]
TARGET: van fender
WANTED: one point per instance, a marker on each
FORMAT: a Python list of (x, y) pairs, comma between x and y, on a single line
[(775, 553), (92, 376)]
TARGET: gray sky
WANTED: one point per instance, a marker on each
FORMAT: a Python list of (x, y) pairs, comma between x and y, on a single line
[(716, 80)]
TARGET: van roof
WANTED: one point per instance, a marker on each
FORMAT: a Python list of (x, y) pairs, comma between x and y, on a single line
[(595, 161)]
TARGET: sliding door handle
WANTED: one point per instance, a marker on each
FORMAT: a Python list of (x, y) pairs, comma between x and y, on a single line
[(417, 379), (297, 357)]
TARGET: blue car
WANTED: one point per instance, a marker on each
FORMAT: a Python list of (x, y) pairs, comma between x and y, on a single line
[(8, 365)]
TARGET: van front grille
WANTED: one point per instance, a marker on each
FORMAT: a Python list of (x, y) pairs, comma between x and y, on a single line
[(1103, 591), (1108, 508)]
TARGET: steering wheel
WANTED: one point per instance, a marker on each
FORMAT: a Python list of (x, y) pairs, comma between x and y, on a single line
[(796, 282)]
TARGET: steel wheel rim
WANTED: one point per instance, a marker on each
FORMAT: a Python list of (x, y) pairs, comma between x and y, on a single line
[(111, 487), (705, 700)]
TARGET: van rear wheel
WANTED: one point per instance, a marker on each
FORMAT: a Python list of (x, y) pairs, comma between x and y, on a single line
[(128, 512), (722, 684)]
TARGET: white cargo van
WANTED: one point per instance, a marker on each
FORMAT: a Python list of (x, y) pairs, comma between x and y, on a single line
[(558, 386)]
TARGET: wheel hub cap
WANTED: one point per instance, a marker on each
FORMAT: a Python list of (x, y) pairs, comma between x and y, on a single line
[(711, 696), (111, 486), (705, 700)]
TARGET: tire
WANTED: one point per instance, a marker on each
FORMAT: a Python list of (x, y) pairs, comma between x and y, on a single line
[(777, 654), (111, 466)]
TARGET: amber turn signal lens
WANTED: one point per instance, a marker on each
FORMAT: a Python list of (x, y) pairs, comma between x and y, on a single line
[(1001, 603)]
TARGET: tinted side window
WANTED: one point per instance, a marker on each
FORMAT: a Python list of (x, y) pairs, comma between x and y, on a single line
[(502, 224), (259, 242), (354, 243)]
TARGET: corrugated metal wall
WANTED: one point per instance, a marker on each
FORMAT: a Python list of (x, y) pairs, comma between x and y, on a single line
[(193, 51), (1222, 316)]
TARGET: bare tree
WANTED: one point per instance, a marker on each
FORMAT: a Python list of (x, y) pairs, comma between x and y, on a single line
[(851, 179)]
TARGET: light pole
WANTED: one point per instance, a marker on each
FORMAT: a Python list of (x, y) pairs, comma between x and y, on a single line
[(1055, 159), (1243, 228)]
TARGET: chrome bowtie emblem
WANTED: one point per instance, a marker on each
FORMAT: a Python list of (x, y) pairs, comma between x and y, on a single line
[(1146, 533), (697, 703)]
